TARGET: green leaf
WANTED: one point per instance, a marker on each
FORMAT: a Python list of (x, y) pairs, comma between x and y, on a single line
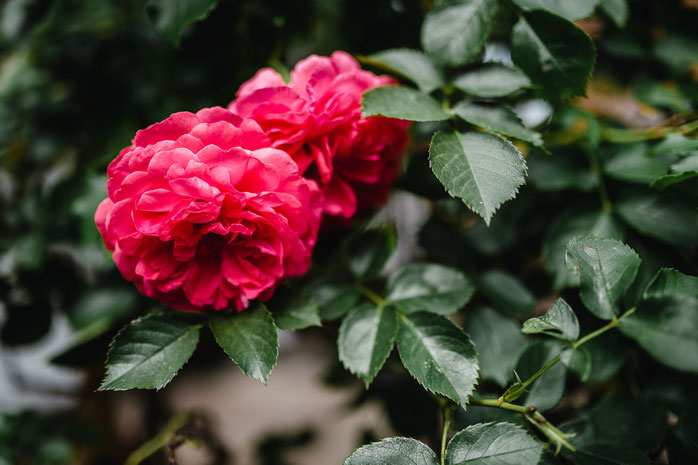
[(171, 17), (660, 94), (559, 321), (506, 292), (606, 270), (370, 251), (429, 287), (250, 340), (498, 343), (607, 454), (667, 328), (546, 391), (393, 451), (148, 353), (438, 354), (618, 419), (402, 103), (497, 118), (411, 64), (568, 9), (366, 338), (492, 80), (294, 310), (334, 297), (631, 163), (678, 52), (493, 443), (671, 283), (568, 225), (678, 172), (456, 32), (676, 142), (554, 53), (617, 10), (669, 219), (560, 172), (608, 355), (577, 361), (483, 169)]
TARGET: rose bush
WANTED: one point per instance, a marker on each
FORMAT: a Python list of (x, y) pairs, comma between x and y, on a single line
[(316, 118), (203, 214)]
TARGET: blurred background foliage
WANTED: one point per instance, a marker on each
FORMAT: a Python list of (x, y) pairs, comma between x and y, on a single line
[(79, 77)]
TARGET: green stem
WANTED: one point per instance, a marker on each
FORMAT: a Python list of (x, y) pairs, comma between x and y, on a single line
[(601, 187), (534, 417), (514, 394), (448, 416), (370, 295), (611, 324), (502, 405), (160, 440)]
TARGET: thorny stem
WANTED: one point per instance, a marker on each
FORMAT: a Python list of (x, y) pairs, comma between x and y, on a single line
[(519, 390), (534, 417), (448, 416)]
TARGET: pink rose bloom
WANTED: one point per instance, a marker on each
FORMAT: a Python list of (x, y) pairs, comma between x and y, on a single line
[(317, 120), (203, 214)]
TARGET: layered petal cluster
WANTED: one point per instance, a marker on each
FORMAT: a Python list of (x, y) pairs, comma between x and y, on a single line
[(316, 118), (204, 214)]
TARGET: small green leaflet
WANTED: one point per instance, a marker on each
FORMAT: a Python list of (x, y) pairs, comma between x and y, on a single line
[(294, 310), (618, 419), (498, 342), (393, 451), (411, 64), (366, 338), (632, 163), (506, 292), (497, 118), (668, 218), (554, 53), (456, 32), (560, 321), (148, 353), (678, 172), (577, 361), (667, 328), (561, 171), (370, 251), (676, 142), (334, 296), (545, 392), (617, 10), (171, 17), (482, 169), (402, 103), (568, 9), (606, 269), (672, 283), (566, 226), (429, 287), (607, 454), (492, 80), (438, 354), (493, 443), (250, 340)]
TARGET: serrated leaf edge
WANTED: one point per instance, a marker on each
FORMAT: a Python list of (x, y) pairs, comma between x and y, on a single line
[(103, 387)]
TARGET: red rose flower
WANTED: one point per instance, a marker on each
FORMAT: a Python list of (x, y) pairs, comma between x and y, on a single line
[(204, 215), (316, 118)]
